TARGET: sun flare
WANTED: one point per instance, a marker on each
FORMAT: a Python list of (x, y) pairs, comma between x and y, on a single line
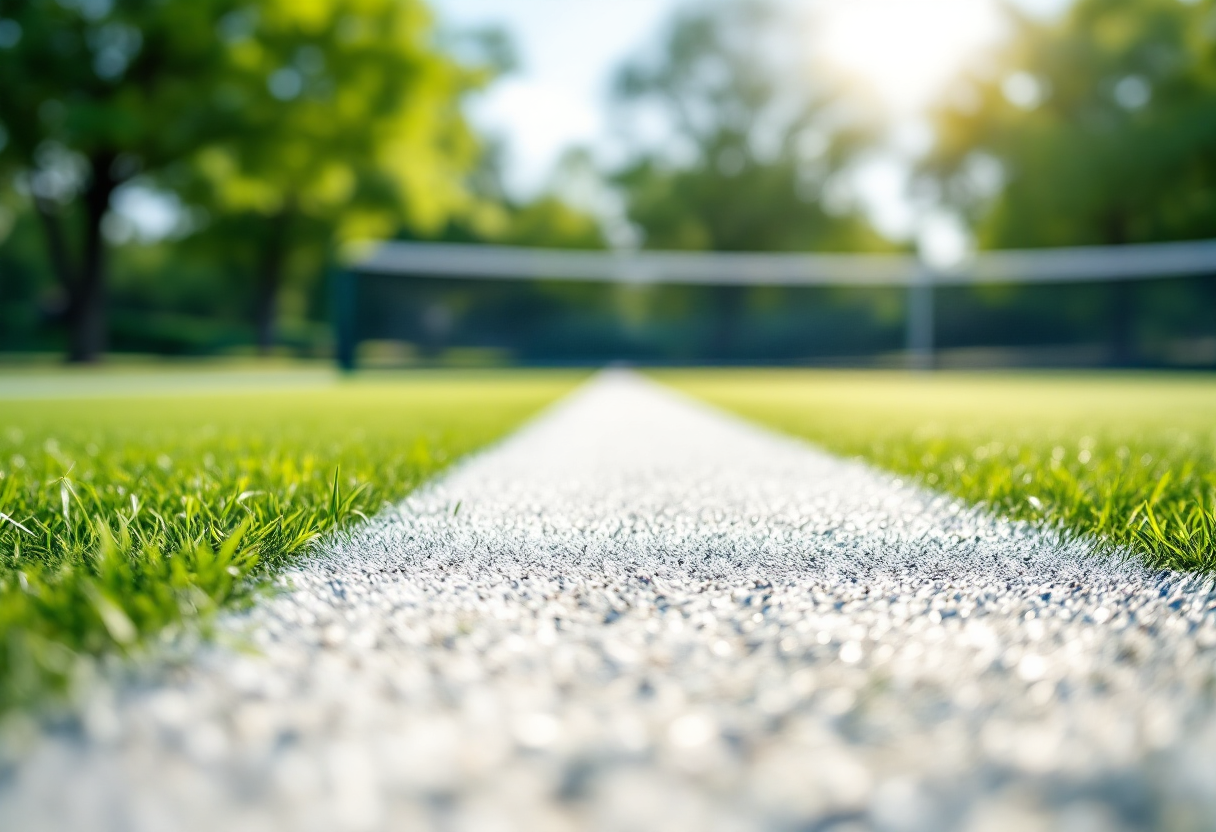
[(904, 50)]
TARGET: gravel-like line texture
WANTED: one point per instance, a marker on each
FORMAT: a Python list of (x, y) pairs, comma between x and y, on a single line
[(642, 614)]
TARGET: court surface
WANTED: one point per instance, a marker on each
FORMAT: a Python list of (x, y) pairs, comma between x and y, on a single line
[(640, 613)]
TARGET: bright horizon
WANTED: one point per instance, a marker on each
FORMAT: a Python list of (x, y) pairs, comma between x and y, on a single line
[(905, 52)]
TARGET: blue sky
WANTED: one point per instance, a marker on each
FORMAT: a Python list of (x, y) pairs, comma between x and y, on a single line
[(568, 49)]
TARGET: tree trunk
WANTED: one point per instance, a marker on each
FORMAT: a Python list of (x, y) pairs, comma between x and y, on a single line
[(88, 308), (82, 278), (57, 247), (270, 279)]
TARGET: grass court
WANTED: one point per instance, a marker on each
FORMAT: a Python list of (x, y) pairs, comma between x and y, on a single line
[(131, 518)]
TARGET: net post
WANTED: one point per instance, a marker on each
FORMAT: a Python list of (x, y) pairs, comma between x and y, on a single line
[(342, 287), (920, 319)]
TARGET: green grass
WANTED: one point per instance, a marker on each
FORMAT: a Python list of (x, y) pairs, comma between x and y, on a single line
[(1126, 458), (125, 520)]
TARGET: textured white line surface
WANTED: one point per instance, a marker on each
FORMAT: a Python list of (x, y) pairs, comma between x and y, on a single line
[(641, 614)]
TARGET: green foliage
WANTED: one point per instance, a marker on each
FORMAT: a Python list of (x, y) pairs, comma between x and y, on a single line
[(751, 144), (550, 222), (100, 79), (346, 112), (124, 520), (1098, 128), (1127, 459), (95, 94), (293, 123), (348, 127), (547, 220)]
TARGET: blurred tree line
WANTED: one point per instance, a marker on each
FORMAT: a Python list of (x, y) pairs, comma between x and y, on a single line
[(265, 133), (748, 141), (1097, 128)]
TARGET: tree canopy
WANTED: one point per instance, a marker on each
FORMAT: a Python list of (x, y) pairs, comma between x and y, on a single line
[(1096, 128), (747, 143), (94, 93), (350, 128), (339, 114)]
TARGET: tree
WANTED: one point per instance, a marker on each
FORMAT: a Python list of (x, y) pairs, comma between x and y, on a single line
[(94, 93), (554, 218), (1097, 128), (319, 120), (748, 146), (350, 129)]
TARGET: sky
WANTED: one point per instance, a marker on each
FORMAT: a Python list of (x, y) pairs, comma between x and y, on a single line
[(569, 50)]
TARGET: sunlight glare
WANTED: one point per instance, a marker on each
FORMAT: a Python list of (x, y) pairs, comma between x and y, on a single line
[(905, 50)]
